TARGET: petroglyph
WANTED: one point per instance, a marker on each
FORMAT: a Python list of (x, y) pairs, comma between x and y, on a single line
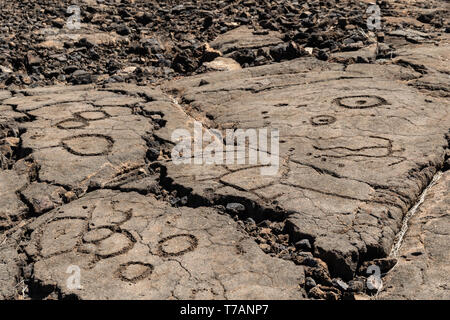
[(177, 245), (87, 179), (360, 102), (322, 120), (88, 145), (147, 255)]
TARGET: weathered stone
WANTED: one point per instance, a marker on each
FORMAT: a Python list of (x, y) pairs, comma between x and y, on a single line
[(422, 271), (9, 270), (81, 134), (244, 38), (12, 209), (222, 64), (128, 245), (43, 197)]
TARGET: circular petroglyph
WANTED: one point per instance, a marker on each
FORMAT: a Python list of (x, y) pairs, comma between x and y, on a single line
[(61, 235), (134, 271), (92, 115), (119, 242), (71, 123), (177, 245), (88, 144), (322, 120), (109, 218), (360, 102), (97, 235)]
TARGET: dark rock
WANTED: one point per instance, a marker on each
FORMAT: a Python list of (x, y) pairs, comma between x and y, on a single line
[(324, 293), (235, 207), (123, 30), (385, 264), (33, 60), (81, 77), (323, 55), (58, 23), (304, 245), (426, 17), (70, 69), (356, 285)]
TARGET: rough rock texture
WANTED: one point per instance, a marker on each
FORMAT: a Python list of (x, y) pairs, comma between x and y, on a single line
[(88, 178), (423, 271), (80, 139), (12, 265), (245, 38), (12, 208), (9, 272), (133, 247), (141, 41), (356, 150)]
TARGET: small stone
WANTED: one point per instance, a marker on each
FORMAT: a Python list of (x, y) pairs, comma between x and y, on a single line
[(209, 54), (70, 69), (69, 196), (356, 286), (235, 207), (58, 23), (250, 221), (12, 141), (123, 30), (303, 245), (310, 283), (33, 60), (222, 64), (81, 77), (323, 55)]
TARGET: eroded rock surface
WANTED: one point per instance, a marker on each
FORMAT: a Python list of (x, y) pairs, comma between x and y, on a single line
[(88, 182), (12, 209), (135, 247), (356, 150), (422, 271)]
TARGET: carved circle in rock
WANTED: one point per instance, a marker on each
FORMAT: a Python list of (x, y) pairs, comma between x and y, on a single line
[(72, 123), (360, 102), (177, 245), (92, 115), (322, 120), (134, 271), (88, 144)]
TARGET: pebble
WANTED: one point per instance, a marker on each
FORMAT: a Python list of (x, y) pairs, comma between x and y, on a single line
[(175, 38), (235, 207), (303, 245)]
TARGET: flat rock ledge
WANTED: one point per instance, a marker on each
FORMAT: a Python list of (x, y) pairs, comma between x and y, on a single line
[(89, 190)]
